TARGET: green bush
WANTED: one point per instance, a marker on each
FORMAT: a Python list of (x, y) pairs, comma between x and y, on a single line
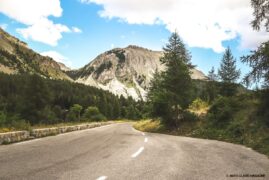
[(71, 116), (189, 116), (15, 122), (222, 111), (92, 113), (21, 125), (47, 116), (98, 117)]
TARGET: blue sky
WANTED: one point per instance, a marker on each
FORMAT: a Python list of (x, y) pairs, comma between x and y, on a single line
[(76, 31)]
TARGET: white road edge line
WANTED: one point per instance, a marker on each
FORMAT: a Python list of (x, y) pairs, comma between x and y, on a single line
[(146, 140), (102, 178), (138, 152), (27, 141)]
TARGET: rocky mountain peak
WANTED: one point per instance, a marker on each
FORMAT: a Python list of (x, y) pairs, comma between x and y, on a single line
[(124, 71)]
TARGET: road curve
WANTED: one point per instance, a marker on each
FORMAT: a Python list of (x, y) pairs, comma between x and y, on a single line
[(119, 152)]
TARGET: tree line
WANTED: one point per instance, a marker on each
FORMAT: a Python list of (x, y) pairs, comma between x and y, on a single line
[(33, 99)]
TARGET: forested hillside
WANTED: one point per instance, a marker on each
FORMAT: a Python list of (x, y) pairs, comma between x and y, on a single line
[(17, 58), (33, 99)]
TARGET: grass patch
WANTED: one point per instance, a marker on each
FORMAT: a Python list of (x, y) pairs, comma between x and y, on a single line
[(4, 130)]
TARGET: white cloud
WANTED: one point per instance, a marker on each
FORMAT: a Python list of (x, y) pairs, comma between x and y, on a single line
[(205, 23), (57, 57), (76, 30), (34, 14), (30, 11), (4, 26), (44, 31)]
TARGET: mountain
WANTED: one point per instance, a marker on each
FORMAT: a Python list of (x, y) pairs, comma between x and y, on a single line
[(17, 58), (124, 71), (63, 67)]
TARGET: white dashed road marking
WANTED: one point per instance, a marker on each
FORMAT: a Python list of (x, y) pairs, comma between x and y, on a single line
[(138, 152), (102, 178), (146, 140)]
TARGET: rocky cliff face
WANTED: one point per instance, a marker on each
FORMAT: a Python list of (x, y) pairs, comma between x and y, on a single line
[(126, 71), (63, 67), (17, 58)]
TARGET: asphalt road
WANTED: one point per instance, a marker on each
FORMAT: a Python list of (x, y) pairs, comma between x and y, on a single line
[(119, 152)]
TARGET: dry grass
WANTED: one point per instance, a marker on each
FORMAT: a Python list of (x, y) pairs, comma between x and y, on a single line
[(148, 125), (199, 107), (4, 130)]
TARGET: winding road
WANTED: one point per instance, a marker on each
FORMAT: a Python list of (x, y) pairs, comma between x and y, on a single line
[(118, 152)]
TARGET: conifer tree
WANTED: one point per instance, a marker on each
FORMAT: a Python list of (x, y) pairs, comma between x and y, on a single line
[(228, 72), (212, 76), (171, 90)]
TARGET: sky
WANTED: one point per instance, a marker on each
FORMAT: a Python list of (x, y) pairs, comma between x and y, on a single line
[(76, 31)]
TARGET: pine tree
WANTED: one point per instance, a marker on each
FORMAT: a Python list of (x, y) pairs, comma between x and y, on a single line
[(259, 63), (212, 76), (261, 11), (171, 90), (228, 72)]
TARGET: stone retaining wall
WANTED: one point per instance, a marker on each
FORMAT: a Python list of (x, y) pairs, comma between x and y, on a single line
[(16, 136), (11, 137)]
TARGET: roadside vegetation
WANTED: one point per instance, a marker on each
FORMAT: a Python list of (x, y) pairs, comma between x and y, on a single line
[(220, 108), (237, 120)]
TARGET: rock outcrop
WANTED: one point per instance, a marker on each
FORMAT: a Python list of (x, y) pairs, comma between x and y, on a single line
[(124, 71)]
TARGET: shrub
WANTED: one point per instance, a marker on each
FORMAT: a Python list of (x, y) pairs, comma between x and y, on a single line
[(15, 122), (21, 124), (98, 117), (92, 113), (47, 116), (189, 116), (148, 125), (71, 116), (222, 110), (76, 109), (199, 107)]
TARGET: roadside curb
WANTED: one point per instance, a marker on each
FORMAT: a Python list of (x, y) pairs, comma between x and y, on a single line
[(18, 136)]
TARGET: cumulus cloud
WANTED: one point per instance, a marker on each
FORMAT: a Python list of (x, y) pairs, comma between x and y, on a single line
[(34, 14), (205, 24), (44, 31), (57, 57), (76, 30)]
